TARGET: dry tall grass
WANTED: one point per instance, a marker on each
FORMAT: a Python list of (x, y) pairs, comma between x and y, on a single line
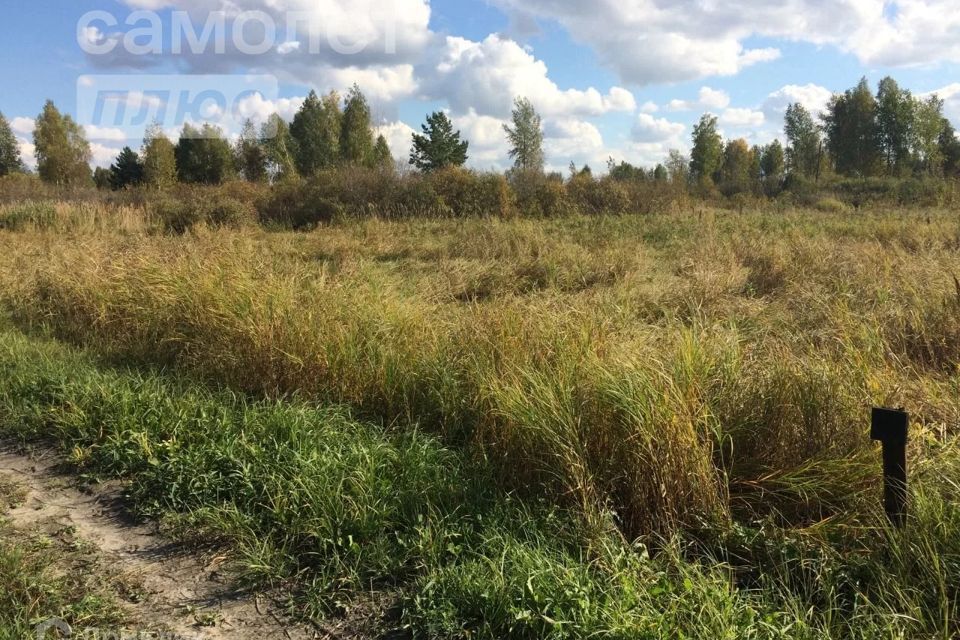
[(674, 371)]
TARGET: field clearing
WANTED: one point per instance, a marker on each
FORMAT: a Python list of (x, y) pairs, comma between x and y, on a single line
[(699, 382)]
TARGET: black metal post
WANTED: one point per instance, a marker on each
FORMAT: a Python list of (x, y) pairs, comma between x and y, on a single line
[(891, 427)]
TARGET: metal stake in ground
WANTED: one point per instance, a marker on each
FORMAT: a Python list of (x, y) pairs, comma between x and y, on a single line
[(890, 427)]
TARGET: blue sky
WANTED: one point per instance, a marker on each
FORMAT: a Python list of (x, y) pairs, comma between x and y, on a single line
[(620, 79)]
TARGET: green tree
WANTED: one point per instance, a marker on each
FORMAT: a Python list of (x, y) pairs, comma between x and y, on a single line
[(772, 161), (625, 172), (203, 155), (525, 136), (852, 133), (382, 158), (896, 115), (251, 157), (316, 145), (101, 178), (706, 157), (62, 150), (126, 171), (159, 159), (678, 167), (737, 169), (660, 173), (9, 150), (439, 146), (278, 147), (356, 134), (927, 130), (950, 149), (803, 141)]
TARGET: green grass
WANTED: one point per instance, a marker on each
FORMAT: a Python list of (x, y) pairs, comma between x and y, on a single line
[(327, 507), (485, 419)]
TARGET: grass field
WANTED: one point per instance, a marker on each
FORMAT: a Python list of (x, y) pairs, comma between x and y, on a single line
[(612, 426)]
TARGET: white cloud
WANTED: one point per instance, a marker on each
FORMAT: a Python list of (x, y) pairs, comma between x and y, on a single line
[(950, 95), (649, 42), (399, 137), (738, 117), (258, 108), (23, 126), (649, 107), (488, 144), (27, 153), (288, 47), (572, 140), (103, 155), (650, 129), (106, 134), (487, 76), (707, 99), (384, 84), (812, 96)]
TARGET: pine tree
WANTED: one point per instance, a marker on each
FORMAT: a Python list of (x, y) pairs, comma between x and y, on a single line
[(63, 153), (382, 158), (277, 145), (525, 136), (803, 141), (706, 157), (126, 171), (356, 136), (251, 157), (439, 146), (9, 150), (159, 159)]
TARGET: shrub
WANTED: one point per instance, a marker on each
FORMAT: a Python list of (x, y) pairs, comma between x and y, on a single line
[(466, 193), (39, 215), (419, 198), (540, 196), (830, 205), (298, 206)]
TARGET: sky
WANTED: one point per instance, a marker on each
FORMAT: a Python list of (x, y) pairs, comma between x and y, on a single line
[(624, 79)]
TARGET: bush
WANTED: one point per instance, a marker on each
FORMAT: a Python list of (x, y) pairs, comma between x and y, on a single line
[(39, 215), (598, 196), (830, 205), (300, 205), (419, 198), (539, 195), (466, 193)]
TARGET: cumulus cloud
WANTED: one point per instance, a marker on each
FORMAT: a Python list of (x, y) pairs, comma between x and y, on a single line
[(812, 96), (950, 95), (399, 136), (23, 126), (707, 99), (650, 129), (741, 118), (106, 134), (649, 42), (311, 42), (486, 76)]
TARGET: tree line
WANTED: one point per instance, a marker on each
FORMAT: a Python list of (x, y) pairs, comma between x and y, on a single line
[(892, 133), (860, 135)]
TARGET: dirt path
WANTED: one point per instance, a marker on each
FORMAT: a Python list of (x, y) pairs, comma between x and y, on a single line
[(182, 594)]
